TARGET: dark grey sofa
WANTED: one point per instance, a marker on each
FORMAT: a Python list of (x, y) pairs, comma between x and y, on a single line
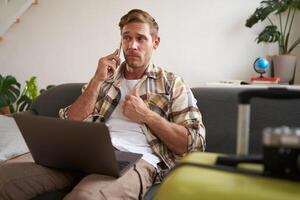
[(218, 106)]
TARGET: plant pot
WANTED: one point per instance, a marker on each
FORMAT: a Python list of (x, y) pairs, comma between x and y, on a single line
[(4, 110), (284, 68)]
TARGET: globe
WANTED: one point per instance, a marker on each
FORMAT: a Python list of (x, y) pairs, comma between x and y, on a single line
[(261, 65)]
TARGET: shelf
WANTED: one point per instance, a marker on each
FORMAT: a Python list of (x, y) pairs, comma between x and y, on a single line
[(11, 11)]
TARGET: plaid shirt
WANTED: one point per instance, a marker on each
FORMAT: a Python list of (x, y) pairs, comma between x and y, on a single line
[(164, 93)]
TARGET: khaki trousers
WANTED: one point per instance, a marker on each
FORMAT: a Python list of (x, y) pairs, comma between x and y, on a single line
[(21, 179)]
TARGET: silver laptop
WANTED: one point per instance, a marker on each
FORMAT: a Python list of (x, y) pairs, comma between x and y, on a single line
[(73, 145)]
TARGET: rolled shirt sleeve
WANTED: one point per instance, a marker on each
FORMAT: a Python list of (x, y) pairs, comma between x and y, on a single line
[(184, 111), (63, 112)]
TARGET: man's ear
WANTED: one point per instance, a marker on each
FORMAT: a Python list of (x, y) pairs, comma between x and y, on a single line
[(156, 42)]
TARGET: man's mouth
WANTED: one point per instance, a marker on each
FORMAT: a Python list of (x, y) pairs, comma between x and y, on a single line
[(133, 56)]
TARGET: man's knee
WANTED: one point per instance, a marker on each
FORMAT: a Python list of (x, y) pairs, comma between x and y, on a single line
[(79, 194), (90, 187)]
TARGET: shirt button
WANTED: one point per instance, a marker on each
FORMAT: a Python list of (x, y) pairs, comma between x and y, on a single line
[(115, 102)]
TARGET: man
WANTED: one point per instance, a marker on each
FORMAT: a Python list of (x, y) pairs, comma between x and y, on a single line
[(149, 111)]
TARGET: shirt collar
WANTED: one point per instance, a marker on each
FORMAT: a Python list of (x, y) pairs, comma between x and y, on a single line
[(151, 72)]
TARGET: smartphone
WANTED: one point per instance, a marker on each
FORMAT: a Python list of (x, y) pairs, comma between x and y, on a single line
[(120, 49), (110, 71)]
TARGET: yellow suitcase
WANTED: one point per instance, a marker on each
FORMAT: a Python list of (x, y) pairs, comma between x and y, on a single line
[(197, 177)]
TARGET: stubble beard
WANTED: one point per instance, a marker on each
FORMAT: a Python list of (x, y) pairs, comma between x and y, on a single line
[(135, 64), (142, 62)]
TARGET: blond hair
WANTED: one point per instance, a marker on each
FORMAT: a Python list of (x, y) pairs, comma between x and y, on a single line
[(137, 15)]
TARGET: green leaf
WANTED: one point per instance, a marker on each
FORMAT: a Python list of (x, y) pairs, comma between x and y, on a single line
[(295, 4), (31, 89), (282, 6), (269, 34), (9, 90), (260, 14), (29, 93)]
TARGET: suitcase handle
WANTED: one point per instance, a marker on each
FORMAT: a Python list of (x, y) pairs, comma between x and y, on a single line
[(242, 147), (233, 160), (270, 93)]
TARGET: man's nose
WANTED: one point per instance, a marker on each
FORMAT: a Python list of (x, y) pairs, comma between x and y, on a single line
[(133, 44)]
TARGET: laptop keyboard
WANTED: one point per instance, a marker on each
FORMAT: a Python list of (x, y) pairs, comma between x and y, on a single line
[(122, 164)]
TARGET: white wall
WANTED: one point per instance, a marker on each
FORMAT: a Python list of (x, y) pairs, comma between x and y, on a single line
[(10, 11), (201, 40)]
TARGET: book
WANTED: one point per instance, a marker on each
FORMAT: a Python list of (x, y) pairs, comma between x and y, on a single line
[(265, 80)]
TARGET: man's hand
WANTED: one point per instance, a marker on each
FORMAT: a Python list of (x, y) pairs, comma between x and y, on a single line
[(85, 104), (107, 66), (135, 109), (173, 135)]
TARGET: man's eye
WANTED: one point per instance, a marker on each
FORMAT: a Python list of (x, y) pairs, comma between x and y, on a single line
[(140, 39), (126, 38)]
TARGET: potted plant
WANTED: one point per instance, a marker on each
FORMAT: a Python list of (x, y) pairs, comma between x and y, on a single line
[(9, 93), (280, 15), (11, 97)]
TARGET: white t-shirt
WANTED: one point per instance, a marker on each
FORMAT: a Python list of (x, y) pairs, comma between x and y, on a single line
[(127, 135)]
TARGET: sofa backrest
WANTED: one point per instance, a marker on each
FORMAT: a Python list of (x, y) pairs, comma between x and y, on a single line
[(50, 101), (219, 107)]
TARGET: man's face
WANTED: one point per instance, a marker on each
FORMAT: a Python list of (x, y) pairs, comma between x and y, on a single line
[(138, 44)]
